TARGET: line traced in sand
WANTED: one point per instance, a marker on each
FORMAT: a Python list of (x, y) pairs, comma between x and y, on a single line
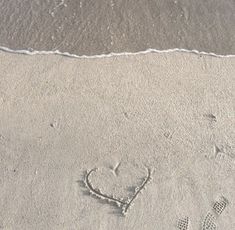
[(124, 204)]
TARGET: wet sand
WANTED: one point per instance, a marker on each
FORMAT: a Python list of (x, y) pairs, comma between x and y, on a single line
[(159, 129), (98, 27)]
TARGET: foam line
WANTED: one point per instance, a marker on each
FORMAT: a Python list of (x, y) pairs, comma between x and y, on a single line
[(67, 54)]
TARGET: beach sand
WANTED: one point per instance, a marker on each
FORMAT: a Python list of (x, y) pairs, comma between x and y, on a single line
[(151, 133), (90, 27)]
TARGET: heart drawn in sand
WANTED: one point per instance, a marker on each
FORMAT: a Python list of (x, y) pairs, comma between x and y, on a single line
[(124, 204)]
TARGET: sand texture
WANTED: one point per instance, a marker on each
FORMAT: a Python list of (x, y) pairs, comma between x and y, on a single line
[(132, 142), (93, 27)]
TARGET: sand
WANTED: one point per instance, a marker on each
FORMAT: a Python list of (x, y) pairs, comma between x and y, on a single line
[(86, 27), (153, 134)]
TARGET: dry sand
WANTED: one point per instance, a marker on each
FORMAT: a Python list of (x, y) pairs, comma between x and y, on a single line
[(165, 117), (99, 26)]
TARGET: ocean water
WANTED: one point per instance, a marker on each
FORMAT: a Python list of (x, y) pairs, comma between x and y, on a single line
[(93, 27)]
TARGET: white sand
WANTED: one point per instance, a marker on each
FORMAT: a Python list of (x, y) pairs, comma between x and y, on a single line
[(173, 114)]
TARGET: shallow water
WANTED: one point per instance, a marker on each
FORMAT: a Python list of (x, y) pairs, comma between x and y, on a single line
[(98, 27)]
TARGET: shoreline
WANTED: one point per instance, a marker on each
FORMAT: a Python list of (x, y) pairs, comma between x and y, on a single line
[(67, 54)]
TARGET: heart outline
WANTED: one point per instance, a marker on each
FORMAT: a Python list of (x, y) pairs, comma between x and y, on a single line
[(122, 203)]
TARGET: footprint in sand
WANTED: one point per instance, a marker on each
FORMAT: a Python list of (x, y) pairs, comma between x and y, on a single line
[(209, 222)]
